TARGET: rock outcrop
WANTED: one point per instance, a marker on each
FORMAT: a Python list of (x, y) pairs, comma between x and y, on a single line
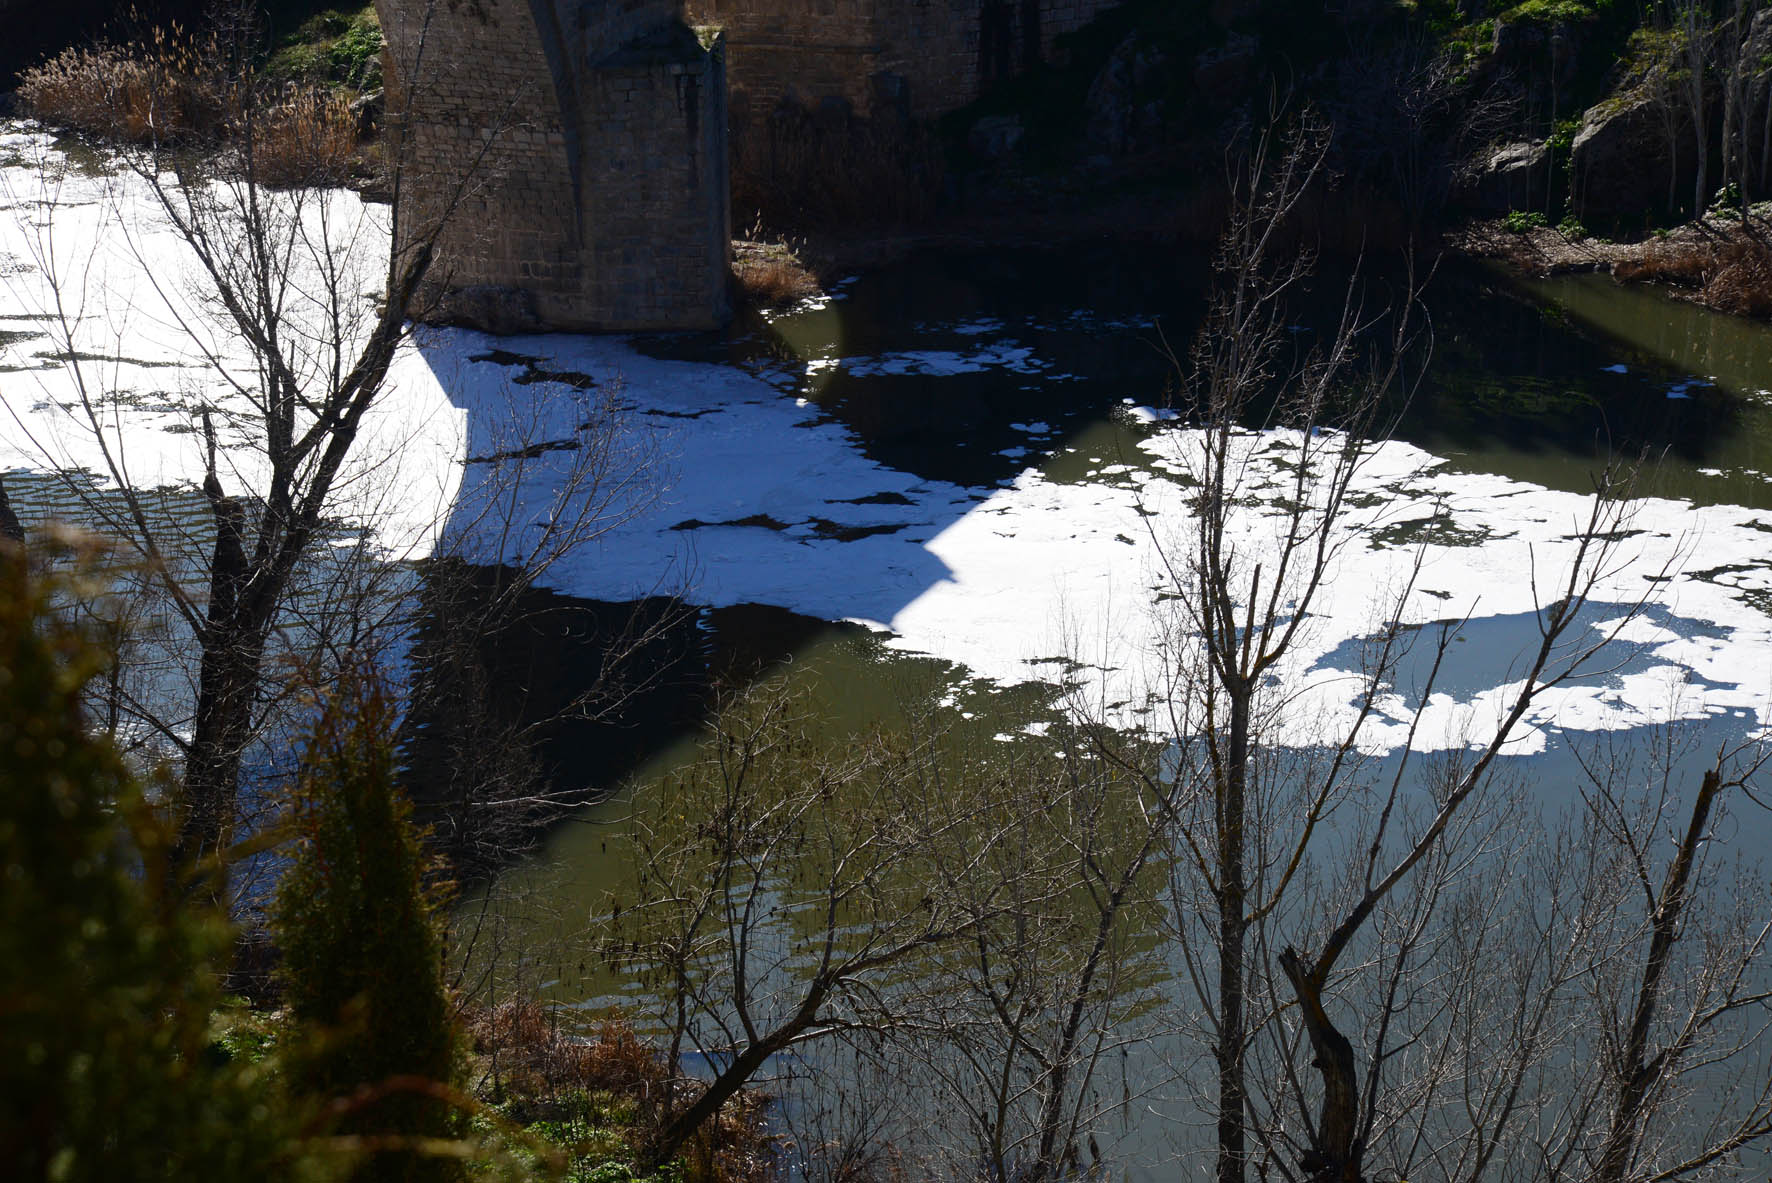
[(1632, 152), (1123, 117), (1511, 177)]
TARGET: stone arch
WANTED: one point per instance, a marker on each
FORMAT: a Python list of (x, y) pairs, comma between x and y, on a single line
[(587, 141)]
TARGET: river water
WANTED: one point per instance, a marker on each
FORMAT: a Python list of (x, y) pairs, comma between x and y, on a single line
[(941, 508), (945, 492), (944, 472)]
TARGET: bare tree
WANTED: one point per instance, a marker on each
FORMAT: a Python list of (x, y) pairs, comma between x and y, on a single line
[(1281, 436), (1695, 38), (1690, 998), (1053, 982), (1743, 66), (276, 317), (1238, 617), (780, 896), (1344, 1125), (289, 306)]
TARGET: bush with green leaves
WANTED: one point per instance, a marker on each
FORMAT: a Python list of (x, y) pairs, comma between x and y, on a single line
[(356, 56), (338, 46), (362, 963), (109, 973)]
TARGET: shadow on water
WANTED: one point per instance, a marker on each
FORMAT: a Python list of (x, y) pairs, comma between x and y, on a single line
[(931, 363), (1536, 379), (1492, 651), (1547, 380), (528, 704)]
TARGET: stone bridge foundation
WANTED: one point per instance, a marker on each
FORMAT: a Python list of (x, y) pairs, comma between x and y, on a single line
[(576, 150)]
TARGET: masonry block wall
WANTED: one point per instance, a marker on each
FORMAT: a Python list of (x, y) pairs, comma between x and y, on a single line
[(947, 51), (577, 149)]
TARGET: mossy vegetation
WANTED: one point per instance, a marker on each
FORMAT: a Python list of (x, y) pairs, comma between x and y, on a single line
[(338, 46), (1552, 12)]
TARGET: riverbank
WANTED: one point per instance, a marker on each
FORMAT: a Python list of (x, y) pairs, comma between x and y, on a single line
[(821, 256), (1722, 263), (1719, 262)]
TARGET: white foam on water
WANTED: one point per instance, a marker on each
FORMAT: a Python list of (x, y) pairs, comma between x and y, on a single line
[(944, 363), (750, 495)]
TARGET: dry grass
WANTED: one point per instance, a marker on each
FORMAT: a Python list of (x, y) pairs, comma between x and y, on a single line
[(769, 275), (1682, 264), (138, 95), (168, 93), (310, 138), (1731, 275), (532, 1057), (1742, 281)]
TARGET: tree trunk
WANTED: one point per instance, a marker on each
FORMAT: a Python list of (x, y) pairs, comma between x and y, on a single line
[(725, 1086), (1635, 1071), (1765, 144), (10, 529), (232, 652), (1232, 928), (1058, 1080), (229, 683), (1335, 1152), (1696, 60)]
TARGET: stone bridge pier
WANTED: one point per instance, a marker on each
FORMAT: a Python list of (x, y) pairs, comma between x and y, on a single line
[(577, 149)]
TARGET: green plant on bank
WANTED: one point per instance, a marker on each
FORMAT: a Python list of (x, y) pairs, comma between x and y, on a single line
[(582, 1101), (110, 1068), (341, 47), (1550, 12), (1646, 51), (242, 1033), (362, 948), (593, 1136), (1465, 45), (1571, 228), (1520, 221), (1562, 137)]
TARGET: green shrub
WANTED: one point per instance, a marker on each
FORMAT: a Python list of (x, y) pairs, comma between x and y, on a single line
[(1551, 12), (1562, 137), (1727, 199), (339, 47), (362, 966), (1520, 221), (356, 56), (108, 973), (301, 62), (1571, 228)]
